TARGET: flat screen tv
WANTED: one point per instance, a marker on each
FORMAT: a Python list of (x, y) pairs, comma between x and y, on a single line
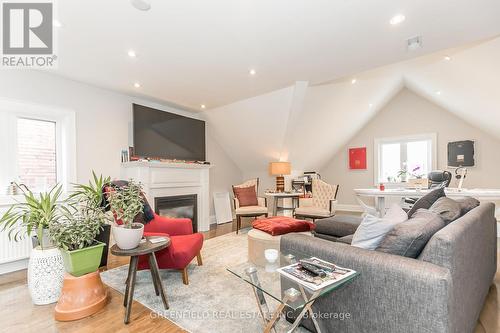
[(160, 134)]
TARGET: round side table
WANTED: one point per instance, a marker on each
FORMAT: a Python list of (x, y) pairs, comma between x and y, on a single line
[(145, 248)]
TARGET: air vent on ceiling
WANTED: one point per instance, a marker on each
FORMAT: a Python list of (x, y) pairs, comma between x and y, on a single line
[(414, 43)]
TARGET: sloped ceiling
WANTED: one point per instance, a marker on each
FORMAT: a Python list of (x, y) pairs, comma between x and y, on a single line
[(193, 52), (306, 125)]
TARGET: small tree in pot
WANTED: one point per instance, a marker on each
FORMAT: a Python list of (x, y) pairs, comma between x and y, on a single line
[(126, 203)]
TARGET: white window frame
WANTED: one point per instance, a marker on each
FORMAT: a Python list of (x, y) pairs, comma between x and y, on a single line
[(407, 138), (10, 111)]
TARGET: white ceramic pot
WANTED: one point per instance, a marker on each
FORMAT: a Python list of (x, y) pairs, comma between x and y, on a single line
[(128, 238), (45, 275)]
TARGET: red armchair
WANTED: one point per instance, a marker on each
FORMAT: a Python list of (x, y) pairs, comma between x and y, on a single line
[(184, 246)]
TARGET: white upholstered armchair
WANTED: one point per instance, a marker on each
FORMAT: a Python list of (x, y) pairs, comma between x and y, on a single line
[(322, 204), (249, 211)]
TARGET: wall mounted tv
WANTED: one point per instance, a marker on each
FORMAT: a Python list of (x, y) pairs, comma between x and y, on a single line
[(160, 134)]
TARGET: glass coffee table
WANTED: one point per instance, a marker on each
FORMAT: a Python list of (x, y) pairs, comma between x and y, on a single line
[(267, 281)]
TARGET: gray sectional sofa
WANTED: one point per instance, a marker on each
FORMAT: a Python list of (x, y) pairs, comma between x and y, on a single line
[(443, 290)]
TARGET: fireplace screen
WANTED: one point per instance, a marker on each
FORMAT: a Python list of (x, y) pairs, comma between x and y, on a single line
[(183, 206)]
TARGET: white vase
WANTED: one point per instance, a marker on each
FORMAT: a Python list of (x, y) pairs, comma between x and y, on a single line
[(128, 238), (45, 275)]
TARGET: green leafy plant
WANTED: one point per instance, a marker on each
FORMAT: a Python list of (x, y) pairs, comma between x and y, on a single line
[(77, 229), (126, 202), (35, 214), (91, 195)]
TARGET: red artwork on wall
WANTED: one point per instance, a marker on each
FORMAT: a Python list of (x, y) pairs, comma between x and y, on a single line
[(357, 158)]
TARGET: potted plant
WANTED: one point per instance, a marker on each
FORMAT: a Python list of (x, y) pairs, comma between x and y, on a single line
[(75, 235), (92, 195), (126, 202), (35, 215)]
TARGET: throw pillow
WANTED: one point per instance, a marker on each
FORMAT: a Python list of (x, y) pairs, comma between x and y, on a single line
[(427, 200), (447, 208), (467, 204), (246, 196), (281, 225), (409, 238), (373, 229)]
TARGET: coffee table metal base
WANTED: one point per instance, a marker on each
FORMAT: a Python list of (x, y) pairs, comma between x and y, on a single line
[(270, 319)]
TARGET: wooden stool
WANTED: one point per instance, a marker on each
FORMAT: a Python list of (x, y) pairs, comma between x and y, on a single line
[(144, 248)]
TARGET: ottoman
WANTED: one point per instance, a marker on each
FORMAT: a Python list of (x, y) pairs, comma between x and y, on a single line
[(259, 241)]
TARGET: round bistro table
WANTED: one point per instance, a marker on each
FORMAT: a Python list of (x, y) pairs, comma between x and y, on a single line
[(146, 247)]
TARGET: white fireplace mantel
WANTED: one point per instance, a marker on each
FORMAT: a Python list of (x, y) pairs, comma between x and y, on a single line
[(161, 179)]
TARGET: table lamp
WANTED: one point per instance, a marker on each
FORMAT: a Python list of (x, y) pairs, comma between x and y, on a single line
[(279, 169)]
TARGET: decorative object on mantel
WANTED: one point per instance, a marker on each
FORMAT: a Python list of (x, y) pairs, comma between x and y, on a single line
[(45, 267), (126, 202), (357, 158), (279, 169)]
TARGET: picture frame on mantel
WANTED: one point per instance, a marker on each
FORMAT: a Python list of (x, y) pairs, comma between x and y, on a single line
[(357, 158)]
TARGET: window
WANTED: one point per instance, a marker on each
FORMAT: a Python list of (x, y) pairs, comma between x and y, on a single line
[(37, 144), (36, 154), (416, 154)]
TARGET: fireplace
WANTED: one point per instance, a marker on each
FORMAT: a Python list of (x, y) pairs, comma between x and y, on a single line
[(179, 206)]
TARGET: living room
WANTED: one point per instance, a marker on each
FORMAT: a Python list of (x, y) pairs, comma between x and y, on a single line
[(262, 166)]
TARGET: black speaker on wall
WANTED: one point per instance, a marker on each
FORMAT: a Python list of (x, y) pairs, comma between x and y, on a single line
[(461, 153)]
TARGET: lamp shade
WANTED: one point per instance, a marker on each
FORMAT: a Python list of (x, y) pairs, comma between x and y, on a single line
[(279, 168)]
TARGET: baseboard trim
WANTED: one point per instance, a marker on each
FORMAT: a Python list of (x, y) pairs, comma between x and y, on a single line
[(13, 266), (349, 208)]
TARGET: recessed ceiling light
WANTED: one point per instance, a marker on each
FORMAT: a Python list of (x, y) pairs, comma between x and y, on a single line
[(370, 105), (131, 54), (447, 58), (438, 92), (353, 81), (252, 72), (397, 19), (137, 85), (203, 106), (57, 23), (141, 4)]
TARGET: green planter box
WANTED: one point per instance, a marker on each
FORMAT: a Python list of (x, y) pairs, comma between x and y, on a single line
[(83, 261)]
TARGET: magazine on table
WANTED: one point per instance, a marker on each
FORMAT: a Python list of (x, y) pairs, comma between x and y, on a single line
[(314, 273)]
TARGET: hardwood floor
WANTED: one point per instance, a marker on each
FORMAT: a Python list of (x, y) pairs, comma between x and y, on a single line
[(19, 315)]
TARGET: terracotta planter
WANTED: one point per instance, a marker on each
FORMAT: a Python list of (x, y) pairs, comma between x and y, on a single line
[(128, 238), (81, 297), (83, 261)]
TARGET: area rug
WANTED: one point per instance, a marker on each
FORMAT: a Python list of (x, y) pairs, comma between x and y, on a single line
[(215, 301)]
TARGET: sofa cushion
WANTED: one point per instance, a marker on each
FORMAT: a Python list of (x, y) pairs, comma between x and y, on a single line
[(247, 196), (338, 225), (312, 211), (427, 200), (447, 208), (373, 229), (251, 210), (467, 204), (280, 225), (345, 239), (409, 238)]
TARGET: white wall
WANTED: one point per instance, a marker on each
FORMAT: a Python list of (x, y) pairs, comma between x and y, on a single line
[(224, 173), (409, 114), (103, 122)]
